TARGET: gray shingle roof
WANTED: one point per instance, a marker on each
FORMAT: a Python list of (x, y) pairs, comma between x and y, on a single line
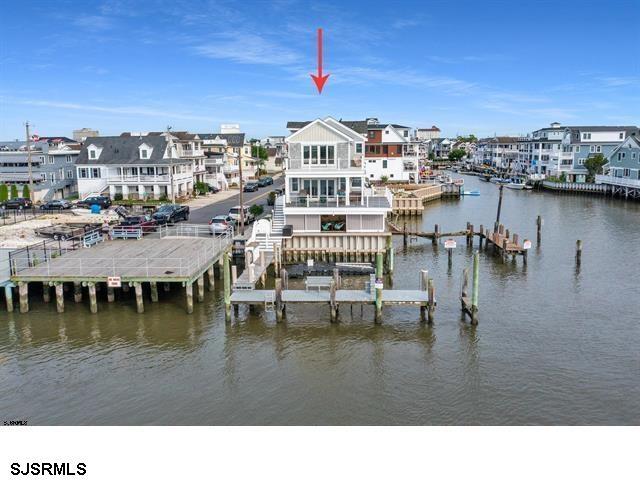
[(233, 139), (124, 151)]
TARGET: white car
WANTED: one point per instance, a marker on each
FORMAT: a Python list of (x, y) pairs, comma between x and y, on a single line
[(221, 224), (234, 213)]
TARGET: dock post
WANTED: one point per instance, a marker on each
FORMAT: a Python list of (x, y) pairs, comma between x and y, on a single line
[(378, 316), (126, 287), (200, 288), (424, 285), (278, 288), (336, 277), (432, 300), (154, 291), (516, 238), (404, 234), (59, 297), (139, 299), (166, 286), (392, 253), (505, 255), (499, 205), (93, 301), (188, 289), (227, 286), (450, 257), (436, 234), (470, 236), (221, 268), (539, 226), (332, 297), (46, 292), (284, 275), (23, 293), (234, 274), (211, 280), (476, 285), (578, 252), (480, 236), (77, 292), (111, 295), (8, 295)]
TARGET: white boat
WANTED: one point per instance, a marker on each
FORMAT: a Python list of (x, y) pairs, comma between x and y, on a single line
[(514, 185)]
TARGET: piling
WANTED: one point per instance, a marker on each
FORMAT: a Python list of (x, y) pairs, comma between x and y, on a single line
[(234, 274), (154, 291), (499, 205), (470, 236), (436, 234), (93, 300), (378, 314), (8, 295), (332, 301), (391, 260), (227, 285), (188, 289), (278, 288), (424, 285), (111, 295), (139, 299), (77, 292), (211, 280), (125, 288), (578, 252), (46, 292), (539, 227), (476, 285), (200, 288), (432, 300), (23, 293), (166, 286), (450, 256), (481, 235), (284, 275), (404, 234), (59, 297)]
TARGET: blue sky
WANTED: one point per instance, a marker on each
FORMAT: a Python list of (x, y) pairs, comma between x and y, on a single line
[(480, 67)]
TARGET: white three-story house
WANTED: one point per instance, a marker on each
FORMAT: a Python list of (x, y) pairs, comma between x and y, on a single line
[(326, 195)]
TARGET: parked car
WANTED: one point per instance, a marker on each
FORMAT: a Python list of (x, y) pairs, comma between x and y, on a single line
[(234, 213), (221, 224), (251, 187), (171, 213), (213, 189), (264, 181), (102, 201), (56, 205), (147, 223), (17, 204)]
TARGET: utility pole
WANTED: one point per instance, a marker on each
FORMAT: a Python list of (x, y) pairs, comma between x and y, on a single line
[(29, 161), (241, 192), (170, 145)]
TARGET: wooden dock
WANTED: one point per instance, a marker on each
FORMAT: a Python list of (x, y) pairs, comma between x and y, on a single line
[(180, 254), (410, 200)]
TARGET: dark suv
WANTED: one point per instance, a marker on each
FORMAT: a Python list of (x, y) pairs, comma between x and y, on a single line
[(102, 201), (17, 204), (171, 214), (264, 181)]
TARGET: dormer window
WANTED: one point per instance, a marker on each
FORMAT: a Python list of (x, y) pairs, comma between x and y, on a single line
[(144, 153)]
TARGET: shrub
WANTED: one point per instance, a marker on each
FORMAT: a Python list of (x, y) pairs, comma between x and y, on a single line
[(271, 199), (4, 193), (201, 188), (384, 179), (14, 191), (117, 197), (256, 210), (25, 191)]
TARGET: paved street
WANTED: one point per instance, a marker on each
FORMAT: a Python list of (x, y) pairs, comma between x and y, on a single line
[(204, 214)]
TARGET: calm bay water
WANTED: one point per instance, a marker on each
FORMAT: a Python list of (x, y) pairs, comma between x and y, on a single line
[(555, 345)]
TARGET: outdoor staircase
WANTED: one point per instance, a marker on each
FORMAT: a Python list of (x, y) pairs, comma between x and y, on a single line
[(277, 224)]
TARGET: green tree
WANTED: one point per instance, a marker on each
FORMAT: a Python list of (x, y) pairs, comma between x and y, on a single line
[(14, 191), (4, 193), (384, 179), (261, 154), (201, 188), (469, 138), (456, 154), (25, 191), (594, 166), (256, 210)]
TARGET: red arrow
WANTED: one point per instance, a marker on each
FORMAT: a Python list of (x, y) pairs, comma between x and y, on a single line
[(320, 79)]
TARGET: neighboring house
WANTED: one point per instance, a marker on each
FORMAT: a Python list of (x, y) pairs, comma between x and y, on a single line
[(325, 187), (276, 151), (52, 166), (539, 152), (224, 152), (189, 146), (498, 152), (134, 167), (273, 140), (390, 152), (440, 147), (623, 167), (82, 134), (428, 133), (468, 147)]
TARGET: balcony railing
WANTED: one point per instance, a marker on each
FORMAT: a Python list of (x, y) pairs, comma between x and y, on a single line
[(139, 179), (620, 181), (369, 198)]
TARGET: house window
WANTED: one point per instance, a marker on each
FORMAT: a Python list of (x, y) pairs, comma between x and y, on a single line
[(92, 154), (69, 173), (144, 154), (621, 136), (82, 173), (586, 136), (384, 164), (358, 148), (331, 154), (598, 148), (581, 161), (577, 149), (372, 134), (52, 177), (406, 133), (52, 159), (69, 159), (294, 185), (626, 172), (95, 173), (306, 154)]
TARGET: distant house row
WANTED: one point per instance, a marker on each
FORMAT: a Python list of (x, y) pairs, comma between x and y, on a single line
[(559, 151)]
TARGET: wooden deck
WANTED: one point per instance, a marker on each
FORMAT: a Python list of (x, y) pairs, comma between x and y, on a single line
[(169, 259), (389, 297)]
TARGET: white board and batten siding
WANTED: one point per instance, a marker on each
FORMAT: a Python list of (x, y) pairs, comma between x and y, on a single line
[(316, 133)]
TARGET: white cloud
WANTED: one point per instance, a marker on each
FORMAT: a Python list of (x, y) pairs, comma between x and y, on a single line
[(94, 22), (247, 48)]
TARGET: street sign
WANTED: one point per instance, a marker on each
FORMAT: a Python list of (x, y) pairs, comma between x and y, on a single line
[(450, 243), (526, 244), (379, 284), (114, 282)]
